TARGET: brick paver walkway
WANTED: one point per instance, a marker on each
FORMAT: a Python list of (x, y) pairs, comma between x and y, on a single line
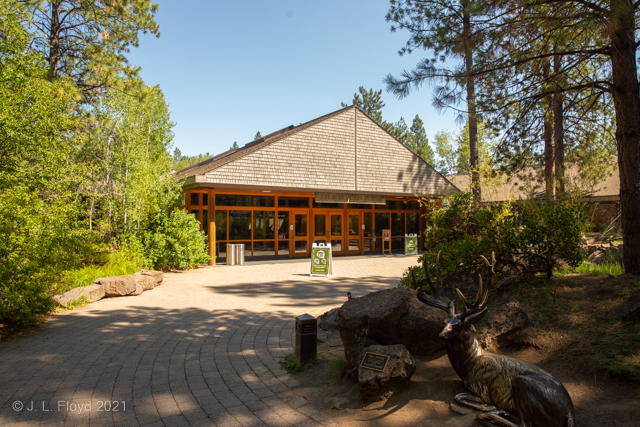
[(202, 349)]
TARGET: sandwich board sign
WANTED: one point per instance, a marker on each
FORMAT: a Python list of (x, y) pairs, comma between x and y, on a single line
[(411, 244), (386, 238), (321, 259)]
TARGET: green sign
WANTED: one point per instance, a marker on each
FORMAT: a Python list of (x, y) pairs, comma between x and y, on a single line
[(320, 260), (410, 244)]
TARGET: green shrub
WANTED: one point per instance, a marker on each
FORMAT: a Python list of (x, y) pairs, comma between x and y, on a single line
[(174, 242), (463, 230), (125, 261), (526, 237), (551, 230), (418, 273), (37, 243)]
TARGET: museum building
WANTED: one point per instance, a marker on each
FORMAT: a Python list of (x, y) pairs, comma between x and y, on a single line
[(338, 179)]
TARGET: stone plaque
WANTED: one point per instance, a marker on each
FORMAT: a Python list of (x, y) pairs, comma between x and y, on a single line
[(375, 362)]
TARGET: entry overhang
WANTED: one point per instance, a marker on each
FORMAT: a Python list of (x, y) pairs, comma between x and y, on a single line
[(351, 198)]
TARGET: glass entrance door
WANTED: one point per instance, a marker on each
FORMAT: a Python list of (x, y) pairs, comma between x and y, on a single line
[(337, 241), (299, 228), (354, 233), (327, 228)]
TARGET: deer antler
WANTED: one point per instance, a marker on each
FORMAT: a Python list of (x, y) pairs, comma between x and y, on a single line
[(483, 292), (435, 287)]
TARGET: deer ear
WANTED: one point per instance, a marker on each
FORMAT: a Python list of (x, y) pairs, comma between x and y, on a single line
[(475, 317)]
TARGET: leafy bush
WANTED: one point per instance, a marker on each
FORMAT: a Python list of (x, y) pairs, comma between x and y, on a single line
[(174, 242), (524, 237), (37, 243), (463, 230), (551, 230), (418, 273)]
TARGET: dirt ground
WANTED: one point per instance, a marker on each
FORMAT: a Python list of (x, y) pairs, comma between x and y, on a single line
[(599, 399)]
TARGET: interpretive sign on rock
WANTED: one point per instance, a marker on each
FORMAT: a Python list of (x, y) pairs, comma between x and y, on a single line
[(390, 316), (376, 362), (399, 366), (321, 258)]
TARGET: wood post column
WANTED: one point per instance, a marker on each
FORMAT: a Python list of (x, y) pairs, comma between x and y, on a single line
[(212, 226)]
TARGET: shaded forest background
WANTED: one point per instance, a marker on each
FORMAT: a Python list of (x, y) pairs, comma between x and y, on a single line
[(87, 184)]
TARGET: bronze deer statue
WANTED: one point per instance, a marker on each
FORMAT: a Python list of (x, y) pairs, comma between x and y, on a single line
[(508, 391)]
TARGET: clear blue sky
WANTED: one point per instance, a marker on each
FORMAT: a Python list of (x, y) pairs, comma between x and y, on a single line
[(229, 69)]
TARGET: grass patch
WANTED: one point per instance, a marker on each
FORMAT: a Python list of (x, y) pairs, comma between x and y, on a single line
[(290, 364), (337, 366), (118, 263), (576, 315), (610, 268), (76, 303)]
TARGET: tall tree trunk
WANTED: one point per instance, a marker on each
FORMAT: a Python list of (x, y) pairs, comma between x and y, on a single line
[(627, 104), (54, 39), (558, 126), (471, 104), (549, 157)]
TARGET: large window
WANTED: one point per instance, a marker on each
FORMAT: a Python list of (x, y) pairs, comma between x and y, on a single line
[(413, 224), (236, 200), (397, 224), (382, 222), (239, 225), (395, 205), (263, 225), (221, 225), (293, 202), (283, 225)]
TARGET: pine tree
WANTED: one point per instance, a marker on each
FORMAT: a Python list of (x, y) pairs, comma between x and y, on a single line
[(87, 40), (448, 29)]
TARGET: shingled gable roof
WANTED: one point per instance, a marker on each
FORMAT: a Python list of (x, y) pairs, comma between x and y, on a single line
[(344, 151), (235, 153)]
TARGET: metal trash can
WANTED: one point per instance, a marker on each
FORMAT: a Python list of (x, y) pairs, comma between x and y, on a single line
[(232, 257), (239, 253)]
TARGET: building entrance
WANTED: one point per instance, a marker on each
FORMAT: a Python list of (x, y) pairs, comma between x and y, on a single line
[(328, 228), (286, 225), (300, 234)]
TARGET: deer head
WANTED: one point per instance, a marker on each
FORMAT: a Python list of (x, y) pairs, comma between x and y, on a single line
[(457, 324)]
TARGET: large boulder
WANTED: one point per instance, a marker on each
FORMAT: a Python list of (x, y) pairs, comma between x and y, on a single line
[(503, 324), (629, 311), (376, 385), (117, 286), (64, 299), (158, 276), (91, 293), (607, 254), (387, 317), (329, 320), (149, 279)]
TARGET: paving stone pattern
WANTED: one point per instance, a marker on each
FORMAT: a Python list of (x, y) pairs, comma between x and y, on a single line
[(200, 350)]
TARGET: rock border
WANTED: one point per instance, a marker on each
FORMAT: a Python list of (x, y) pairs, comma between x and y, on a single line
[(114, 286)]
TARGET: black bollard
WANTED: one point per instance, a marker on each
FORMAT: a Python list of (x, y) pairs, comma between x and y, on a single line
[(306, 338)]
